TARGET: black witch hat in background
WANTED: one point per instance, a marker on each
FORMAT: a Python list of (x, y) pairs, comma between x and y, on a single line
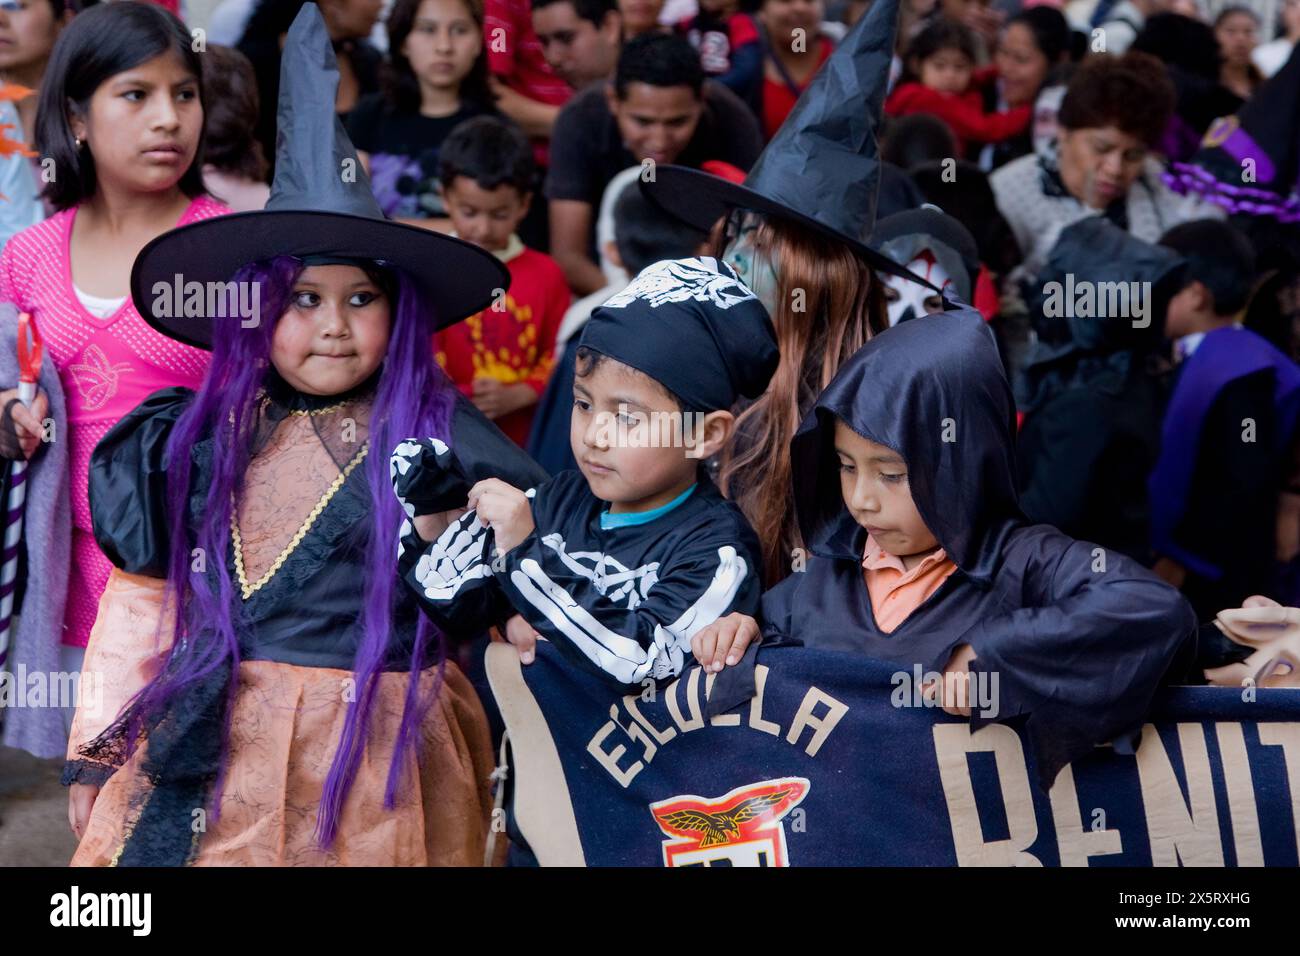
[(1266, 130), (320, 206), (822, 169)]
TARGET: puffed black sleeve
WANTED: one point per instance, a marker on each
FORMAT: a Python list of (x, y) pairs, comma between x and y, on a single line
[(484, 451), (128, 484)]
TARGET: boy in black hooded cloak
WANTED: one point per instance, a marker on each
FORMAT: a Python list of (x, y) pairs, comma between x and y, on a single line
[(1080, 637)]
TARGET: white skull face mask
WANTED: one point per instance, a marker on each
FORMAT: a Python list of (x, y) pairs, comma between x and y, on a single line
[(907, 300)]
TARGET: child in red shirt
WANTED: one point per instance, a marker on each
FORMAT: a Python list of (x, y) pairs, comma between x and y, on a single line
[(501, 357), (731, 50), (941, 79)]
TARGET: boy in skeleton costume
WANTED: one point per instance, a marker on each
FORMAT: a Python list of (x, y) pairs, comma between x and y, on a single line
[(623, 561), (935, 247)]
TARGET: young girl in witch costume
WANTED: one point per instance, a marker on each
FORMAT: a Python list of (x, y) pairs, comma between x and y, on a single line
[(293, 706), (795, 232)]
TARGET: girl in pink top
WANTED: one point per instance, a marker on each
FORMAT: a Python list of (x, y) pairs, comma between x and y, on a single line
[(127, 167)]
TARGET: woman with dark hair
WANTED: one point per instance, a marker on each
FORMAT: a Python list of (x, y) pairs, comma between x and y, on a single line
[(1237, 30), (296, 699), (1033, 54), (234, 170), (794, 48), (349, 23), (28, 29), (436, 78), (1111, 118), (121, 126)]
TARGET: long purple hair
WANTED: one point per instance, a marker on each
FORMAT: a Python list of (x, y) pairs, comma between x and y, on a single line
[(414, 397)]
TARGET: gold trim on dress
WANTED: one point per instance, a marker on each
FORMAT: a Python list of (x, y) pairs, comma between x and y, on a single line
[(248, 590), (310, 411)]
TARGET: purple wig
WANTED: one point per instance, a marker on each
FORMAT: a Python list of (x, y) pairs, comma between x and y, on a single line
[(414, 397)]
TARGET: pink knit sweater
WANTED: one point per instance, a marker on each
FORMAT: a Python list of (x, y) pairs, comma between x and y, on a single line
[(106, 366)]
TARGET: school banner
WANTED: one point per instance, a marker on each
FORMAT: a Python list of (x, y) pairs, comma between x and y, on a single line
[(834, 762)]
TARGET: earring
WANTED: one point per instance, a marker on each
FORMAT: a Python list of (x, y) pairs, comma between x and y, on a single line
[(78, 141)]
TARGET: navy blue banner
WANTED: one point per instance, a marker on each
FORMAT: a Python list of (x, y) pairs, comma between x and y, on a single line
[(838, 762)]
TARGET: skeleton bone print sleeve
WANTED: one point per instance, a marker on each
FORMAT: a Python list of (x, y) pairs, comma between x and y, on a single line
[(622, 601)]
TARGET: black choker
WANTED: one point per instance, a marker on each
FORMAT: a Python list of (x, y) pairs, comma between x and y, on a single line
[(284, 395)]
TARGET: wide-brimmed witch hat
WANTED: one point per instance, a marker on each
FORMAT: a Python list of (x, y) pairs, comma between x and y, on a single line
[(320, 206), (1249, 163), (822, 169)]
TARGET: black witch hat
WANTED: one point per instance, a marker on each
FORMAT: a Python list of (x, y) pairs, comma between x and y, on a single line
[(822, 170), (320, 206), (1266, 133)]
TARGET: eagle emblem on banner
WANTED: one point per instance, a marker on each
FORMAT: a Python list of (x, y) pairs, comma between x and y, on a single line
[(741, 828)]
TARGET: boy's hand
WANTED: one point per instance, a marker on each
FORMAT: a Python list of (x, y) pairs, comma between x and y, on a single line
[(503, 508), (952, 691), (521, 634), (495, 398), (724, 640)]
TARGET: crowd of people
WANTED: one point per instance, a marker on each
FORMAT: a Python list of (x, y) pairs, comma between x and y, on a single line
[(980, 321)]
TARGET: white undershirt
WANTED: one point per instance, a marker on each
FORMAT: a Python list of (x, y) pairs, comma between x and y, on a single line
[(98, 306)]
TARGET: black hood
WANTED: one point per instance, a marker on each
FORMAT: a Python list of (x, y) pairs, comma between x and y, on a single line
[(934, 378), (1095, 251)]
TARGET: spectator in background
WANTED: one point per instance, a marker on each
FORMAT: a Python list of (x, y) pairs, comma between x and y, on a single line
[(982, 17), (1270, 57), (349, 23), (915, 139), (435, 79), (1092, 394), (234, 169), (526, 88), (1237, 29), (731, 50), (1227, 436), (963, 192), (793, 51), (28, 29), (1113, 114), (501, 357), (939, 78), (580, 38), (641, 17), (1192, 60), (227, 21), (1033, 53), (659, 109), (640, 234), (1125, 21)]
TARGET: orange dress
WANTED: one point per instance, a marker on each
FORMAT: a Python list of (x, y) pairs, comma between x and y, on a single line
[(285, 725), (297, 580)]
